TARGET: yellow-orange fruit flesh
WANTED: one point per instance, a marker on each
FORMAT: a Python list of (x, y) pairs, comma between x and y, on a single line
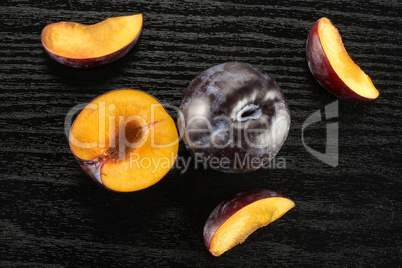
[(78, 41), (131, 134), (347, 70), (245, 221)]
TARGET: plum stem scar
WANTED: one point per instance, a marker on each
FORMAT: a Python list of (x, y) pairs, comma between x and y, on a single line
[(250, 111)]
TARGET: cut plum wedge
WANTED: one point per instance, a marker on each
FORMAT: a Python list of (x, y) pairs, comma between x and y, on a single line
[(85, 46), (124, 140), (333, 68), (233, 220)]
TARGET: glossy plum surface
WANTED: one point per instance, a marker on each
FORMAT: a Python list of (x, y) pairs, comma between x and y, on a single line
[(234, 117)]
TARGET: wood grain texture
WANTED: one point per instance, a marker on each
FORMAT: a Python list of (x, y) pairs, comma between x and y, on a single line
[(52, 215)]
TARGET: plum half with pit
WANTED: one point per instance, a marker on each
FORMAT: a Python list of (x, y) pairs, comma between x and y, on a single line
[(233, 117)]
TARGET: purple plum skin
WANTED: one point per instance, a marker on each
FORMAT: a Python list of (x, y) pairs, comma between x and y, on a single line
[(235, 114), (92, 168)]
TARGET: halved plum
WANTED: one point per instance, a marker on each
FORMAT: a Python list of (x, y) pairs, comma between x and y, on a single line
[(124, 140), (85, 46)]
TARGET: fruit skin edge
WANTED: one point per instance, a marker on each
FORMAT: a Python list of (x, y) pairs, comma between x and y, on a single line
[(93, 169), (230, 206), (322, 70), (94, 62)]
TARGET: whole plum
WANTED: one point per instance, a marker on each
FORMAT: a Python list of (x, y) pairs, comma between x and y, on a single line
[(233, 117)]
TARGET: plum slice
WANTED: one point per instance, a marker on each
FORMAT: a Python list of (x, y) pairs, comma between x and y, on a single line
[(233, 220), (85, 46), (332, 67)]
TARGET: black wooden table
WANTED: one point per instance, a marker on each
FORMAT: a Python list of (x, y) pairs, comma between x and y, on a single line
[(53, 215)]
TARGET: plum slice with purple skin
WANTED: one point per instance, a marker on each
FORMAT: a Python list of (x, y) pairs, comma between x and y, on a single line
[(86, 46), (234, 117), (233, 220), (332, 67)]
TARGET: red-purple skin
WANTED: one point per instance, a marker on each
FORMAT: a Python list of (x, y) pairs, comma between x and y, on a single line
[(94, 62), (322, 70), (230, 206), (92, 168)]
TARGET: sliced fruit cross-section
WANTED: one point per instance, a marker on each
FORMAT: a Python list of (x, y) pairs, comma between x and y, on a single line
[(332, 67), (84, 46), (233, 220), (124, 140)]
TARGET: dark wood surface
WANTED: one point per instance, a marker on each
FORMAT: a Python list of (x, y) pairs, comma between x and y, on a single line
[(53, 215)]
